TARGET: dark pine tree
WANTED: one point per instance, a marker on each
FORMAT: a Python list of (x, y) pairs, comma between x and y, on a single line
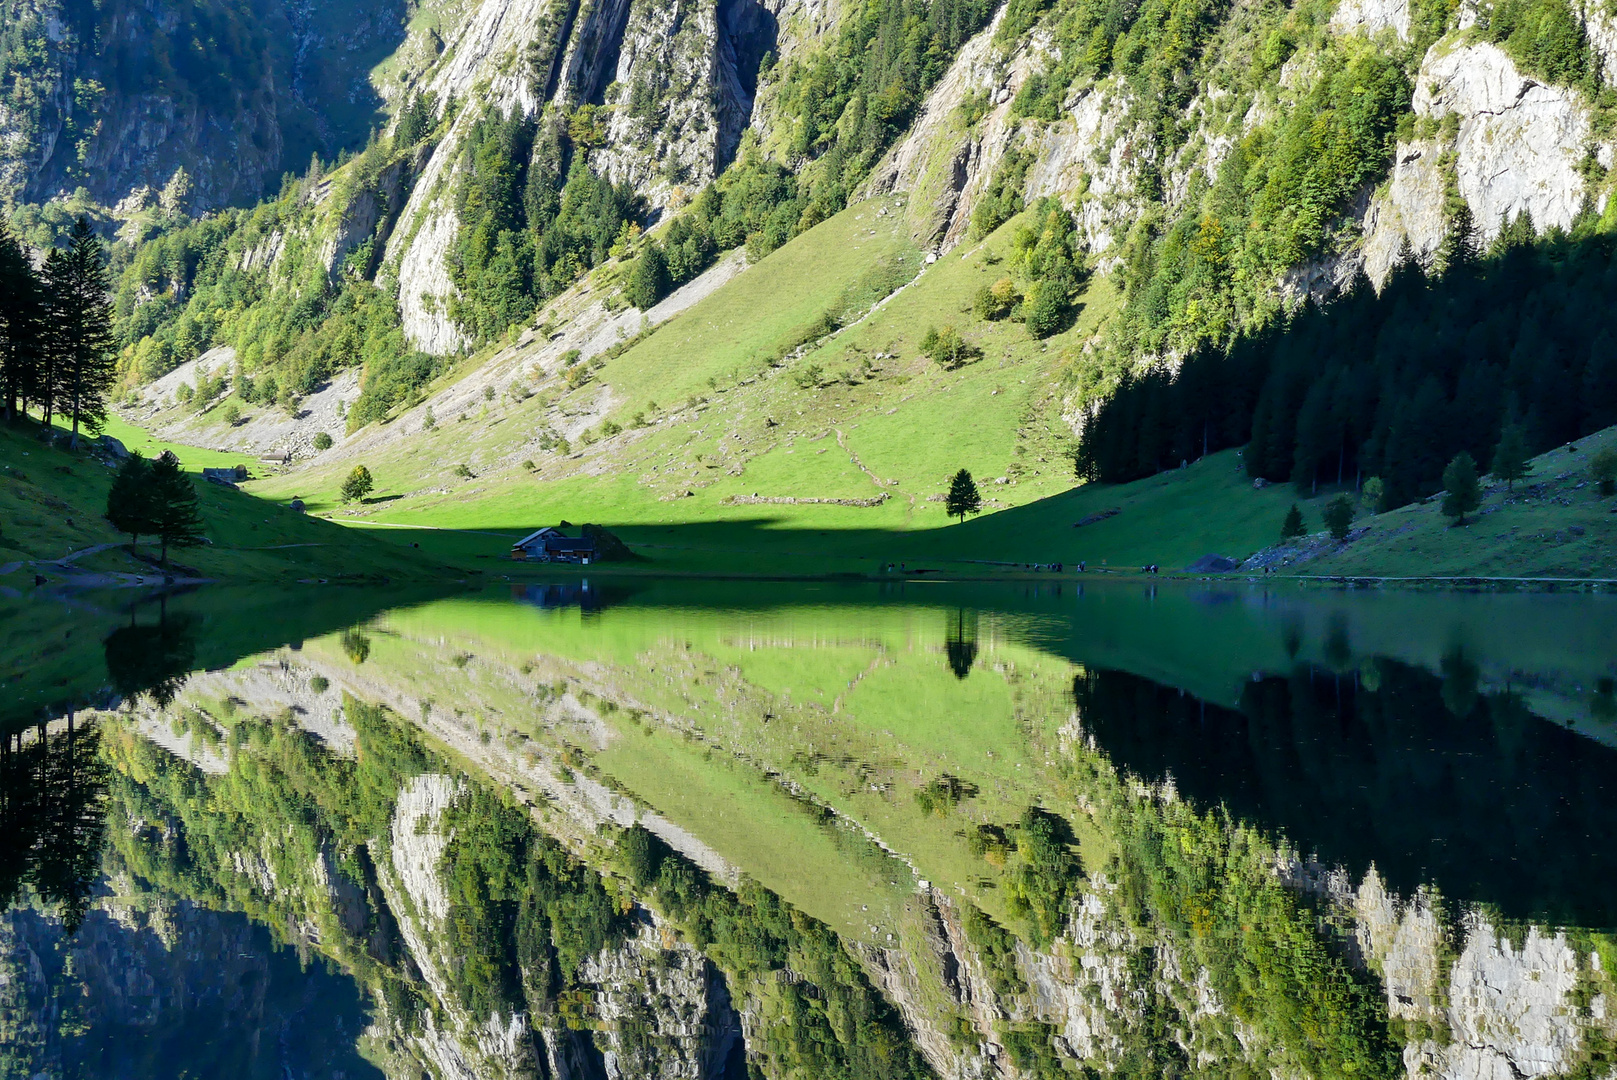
[(1510, 460), (80, 341), (22, 323), (1463, 494), (131, 500), (963, 497), (1293, 527), (1390, 384), (176, 510)]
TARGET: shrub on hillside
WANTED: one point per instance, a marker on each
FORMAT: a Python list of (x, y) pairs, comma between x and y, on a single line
[(947, 348), (357, 485), (996, 301), (1603, 469), (1050, 309)]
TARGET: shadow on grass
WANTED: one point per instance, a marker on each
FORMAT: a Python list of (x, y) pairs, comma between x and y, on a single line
[(76, 651), (1163, 521)]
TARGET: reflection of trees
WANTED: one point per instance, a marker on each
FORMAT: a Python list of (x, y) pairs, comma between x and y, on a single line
[(1338, 648), (51, 818), (960, 642), (357, 645), (152, 660), (1428, 778), (1460, 679)]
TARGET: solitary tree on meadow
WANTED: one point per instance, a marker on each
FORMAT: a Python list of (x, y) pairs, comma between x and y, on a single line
[(963, 496), (358, 485), (1462, 492), (1510, 460)]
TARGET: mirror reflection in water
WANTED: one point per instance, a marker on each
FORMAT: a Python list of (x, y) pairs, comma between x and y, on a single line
[(708, 830)]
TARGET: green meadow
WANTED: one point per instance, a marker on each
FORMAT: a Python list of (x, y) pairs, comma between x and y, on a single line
[(52, 501), (740, 454)]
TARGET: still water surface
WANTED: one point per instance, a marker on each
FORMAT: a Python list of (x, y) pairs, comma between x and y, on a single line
[(273, 834)]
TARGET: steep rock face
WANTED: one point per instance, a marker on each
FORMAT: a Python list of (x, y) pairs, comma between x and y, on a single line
[(1372, 17), (1511, 1007), (942, 163), (425, 288), (665, 1009), (57, 136), (1516, 148), (1090, 156), (680, 102), (118, 97), (661, 1007), (140, 976), (367, 212), (1503, 1008), (1095, 150), (679, 82)]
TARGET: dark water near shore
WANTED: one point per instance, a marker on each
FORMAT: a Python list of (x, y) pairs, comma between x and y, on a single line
[(837, 744)]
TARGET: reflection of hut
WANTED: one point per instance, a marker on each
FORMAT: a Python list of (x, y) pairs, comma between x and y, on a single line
[(550, 545)]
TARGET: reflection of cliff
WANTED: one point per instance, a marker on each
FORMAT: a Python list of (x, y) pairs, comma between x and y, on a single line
[(1425, 778), (144, 987), (488, 948), (522, 931)]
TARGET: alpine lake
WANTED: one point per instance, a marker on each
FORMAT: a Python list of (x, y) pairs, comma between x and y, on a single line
[(603, 829)]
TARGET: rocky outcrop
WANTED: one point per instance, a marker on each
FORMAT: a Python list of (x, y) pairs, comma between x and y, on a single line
[(1516, 148), (1507, 1006), (118, 97), (1089, 157), (680, 100), (664, 1010), (945, 163), (1372, 17), (1095, 152), (678, 85), (148, 972)]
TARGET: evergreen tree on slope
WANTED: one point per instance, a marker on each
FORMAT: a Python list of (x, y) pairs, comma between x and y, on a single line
[(79, 341)]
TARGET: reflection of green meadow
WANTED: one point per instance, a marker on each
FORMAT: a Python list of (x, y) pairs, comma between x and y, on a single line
[(838, 745), (761, 715)]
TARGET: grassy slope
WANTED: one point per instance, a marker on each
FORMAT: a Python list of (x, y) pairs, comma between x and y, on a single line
[(883, 420), (51, 502), (726, 431), (1555, 524)]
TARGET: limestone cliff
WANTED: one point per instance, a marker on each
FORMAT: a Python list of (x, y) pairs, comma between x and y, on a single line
[(677, 84), (118, 97)]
